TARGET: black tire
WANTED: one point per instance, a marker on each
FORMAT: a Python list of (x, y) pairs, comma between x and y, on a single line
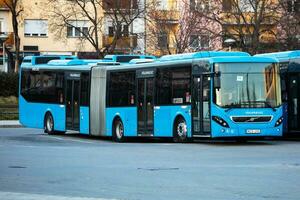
[(118, 131), (180, 131), (49, 124)]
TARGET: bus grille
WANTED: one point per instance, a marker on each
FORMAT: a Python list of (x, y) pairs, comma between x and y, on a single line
[(252, 119)]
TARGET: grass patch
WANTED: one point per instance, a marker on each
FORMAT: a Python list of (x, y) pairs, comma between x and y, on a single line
[(9, 108)]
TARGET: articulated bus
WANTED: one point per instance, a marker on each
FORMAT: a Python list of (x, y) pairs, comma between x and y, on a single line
[(217, 97), (289, 62)]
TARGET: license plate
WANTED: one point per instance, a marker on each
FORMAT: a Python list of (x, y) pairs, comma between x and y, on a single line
[(252, 131)]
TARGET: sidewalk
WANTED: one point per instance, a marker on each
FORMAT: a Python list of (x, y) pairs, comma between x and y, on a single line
[(10, 124)]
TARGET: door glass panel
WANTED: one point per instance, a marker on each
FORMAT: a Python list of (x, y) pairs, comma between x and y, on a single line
[(149, 107), (69, 103), (141, 105), (196, 104), (76, 105), (206, 99), (293, 106)]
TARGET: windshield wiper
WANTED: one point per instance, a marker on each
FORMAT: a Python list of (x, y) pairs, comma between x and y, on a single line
[(266, 103), (231, 106), (269, 105)]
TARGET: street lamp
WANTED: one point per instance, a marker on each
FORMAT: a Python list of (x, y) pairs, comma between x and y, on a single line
[(3, 38), (229, 41)]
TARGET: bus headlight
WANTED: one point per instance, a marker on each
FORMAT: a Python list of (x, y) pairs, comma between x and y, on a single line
[(279, 121), (220, 121)]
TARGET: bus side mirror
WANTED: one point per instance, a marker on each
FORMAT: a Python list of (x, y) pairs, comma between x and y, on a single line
[(217, 80)]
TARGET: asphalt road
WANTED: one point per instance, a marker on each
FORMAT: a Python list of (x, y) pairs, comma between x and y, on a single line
[(34, 166)]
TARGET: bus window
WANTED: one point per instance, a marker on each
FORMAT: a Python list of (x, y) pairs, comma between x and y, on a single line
[(85, 80), (121, 88)]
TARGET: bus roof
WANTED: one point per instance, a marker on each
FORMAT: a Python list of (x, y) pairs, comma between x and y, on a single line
[(66, 62), (202, 54), (56, 66), (125, 58), (242, 59), (282, 56), (227, 59)]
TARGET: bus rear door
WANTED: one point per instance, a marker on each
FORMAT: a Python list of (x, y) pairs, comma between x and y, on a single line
[(145, 103)]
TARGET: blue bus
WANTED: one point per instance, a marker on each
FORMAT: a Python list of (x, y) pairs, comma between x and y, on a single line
[(217, 97), (289, 62)]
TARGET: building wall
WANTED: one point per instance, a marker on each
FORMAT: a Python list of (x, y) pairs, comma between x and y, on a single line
[(51, 43)]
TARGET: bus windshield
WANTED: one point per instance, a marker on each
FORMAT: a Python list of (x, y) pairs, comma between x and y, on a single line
[(247, 85)]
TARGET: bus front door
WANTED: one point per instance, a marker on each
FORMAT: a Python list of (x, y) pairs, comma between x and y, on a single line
[(145, 106), (72, 104), (201, 105), (294, 103)]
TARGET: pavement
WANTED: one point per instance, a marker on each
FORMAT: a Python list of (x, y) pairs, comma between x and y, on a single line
[(35, 166), (10, 124)]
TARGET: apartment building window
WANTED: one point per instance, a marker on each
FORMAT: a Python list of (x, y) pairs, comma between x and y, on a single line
[(200, 5), (1, 26), (245, 5), (227, 5), (293, 5), (194, 41), (200, 41), (162, 40), (120, 4), (162, 4), (124, 29), (237, 6), (35, 27), (77, 28)]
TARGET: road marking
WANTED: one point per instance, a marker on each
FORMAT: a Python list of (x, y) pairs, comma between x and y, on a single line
[(26, 196), (73, 140)]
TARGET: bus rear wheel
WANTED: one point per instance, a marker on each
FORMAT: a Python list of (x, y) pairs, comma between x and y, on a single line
[(49, 124), (180, 131), (118, 131)]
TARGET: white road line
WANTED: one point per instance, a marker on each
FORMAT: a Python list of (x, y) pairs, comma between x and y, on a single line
[(73, 140), (26, 196)]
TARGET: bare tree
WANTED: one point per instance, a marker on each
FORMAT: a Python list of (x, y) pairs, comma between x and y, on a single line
[(180, 29), (82, 16), (16, 9), (121, 15), (288, 33), (251, 23), (66, 14)]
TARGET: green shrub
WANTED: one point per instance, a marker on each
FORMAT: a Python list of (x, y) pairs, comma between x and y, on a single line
[(9, 83)]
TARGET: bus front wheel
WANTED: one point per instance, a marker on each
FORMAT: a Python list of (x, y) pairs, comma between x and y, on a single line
[(180, 130), (118, 131), (49, 124)]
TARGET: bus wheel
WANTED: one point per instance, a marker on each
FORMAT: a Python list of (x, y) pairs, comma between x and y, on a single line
[(49, 124), (118, 134), (180, 131)]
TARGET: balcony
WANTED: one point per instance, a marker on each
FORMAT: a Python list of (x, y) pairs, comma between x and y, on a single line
[(124, 43), (166, 16), (124, 5)]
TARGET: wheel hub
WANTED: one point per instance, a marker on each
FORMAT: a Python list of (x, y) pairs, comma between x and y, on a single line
[(182, 129)]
